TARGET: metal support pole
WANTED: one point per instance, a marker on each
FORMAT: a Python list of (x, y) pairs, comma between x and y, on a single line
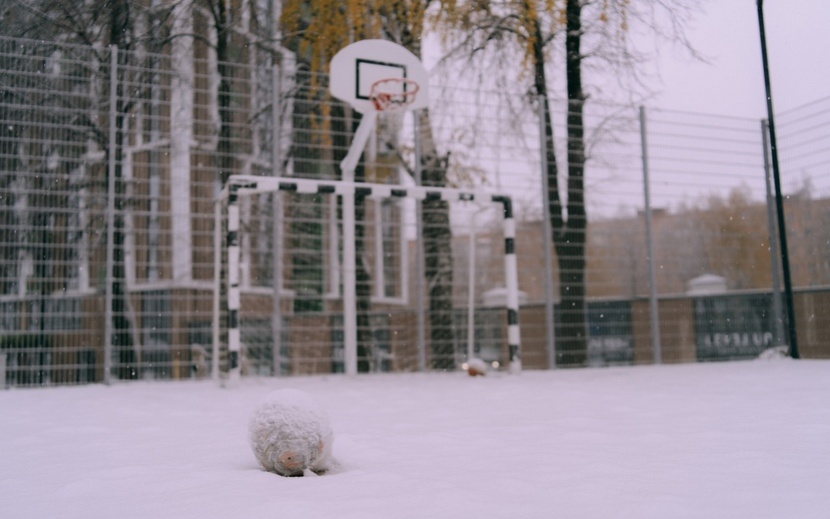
[(654, 313), (779, 201), (217, 280), (108, 298), (349, 283), (777, 307), (471, 288), (511, 277), (277, 221), (550, 322), (348, 166)]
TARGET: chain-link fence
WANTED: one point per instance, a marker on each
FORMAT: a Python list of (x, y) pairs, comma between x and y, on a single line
[(111, 163)]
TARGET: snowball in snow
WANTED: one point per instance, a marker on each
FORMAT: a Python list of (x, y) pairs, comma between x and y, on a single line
[(290, 433)]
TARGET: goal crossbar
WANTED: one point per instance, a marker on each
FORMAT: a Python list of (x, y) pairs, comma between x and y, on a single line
[(246, 185)]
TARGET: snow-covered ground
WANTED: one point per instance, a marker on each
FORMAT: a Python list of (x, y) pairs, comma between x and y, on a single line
[(741, 439)]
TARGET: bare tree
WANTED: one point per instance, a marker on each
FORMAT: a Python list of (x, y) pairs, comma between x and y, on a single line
[(585, 33)]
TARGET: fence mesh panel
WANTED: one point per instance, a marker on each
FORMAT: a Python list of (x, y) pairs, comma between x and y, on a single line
[(111, 164)]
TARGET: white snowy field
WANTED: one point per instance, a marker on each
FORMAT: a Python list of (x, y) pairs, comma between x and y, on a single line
[(741, 439)]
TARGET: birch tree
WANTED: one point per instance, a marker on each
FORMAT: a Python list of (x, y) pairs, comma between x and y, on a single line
[(589, 35)]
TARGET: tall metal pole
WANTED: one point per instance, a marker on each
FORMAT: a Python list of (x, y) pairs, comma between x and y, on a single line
[(420, 289), (276, 219), (471, 289), (654, 313), (217, 280), (775, 269), (108, 298), (347, 166), (550, 323), (779, 202)]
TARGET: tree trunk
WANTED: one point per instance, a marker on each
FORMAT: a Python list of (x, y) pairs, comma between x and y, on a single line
[(305, 210), (363, 282), (223, 95), (436, 232), (437, 238), (568, 224), (122, 340), (570, 239)]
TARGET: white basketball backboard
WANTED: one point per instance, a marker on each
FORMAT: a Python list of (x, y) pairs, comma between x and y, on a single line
[(358, 66)]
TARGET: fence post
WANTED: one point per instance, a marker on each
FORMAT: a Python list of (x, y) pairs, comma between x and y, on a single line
[(550, 322), (276, 219), (471, 289), (777, 308), (111, 165), (420, 318), (779, 199), (217, 280), (654, 313)]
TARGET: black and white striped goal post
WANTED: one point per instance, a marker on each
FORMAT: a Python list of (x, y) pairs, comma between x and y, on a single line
[(246, 185)]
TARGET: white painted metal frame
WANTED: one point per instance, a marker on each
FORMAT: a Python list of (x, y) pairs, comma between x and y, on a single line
[(245, 185)]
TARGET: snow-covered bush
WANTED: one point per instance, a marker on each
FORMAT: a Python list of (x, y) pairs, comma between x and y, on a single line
[(291, 433)]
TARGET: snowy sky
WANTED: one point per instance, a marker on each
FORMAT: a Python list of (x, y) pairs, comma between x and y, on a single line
[(731, 82), (798, 43)]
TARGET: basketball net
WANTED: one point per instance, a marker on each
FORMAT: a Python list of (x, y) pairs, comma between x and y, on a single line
[(393, 94), (391, 97)]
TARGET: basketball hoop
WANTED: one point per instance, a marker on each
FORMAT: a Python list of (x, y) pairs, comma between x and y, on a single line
[(393, 94)]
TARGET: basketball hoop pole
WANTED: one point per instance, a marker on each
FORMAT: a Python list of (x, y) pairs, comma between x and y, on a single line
[(371, 76), (361, 137), (347, 168)]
